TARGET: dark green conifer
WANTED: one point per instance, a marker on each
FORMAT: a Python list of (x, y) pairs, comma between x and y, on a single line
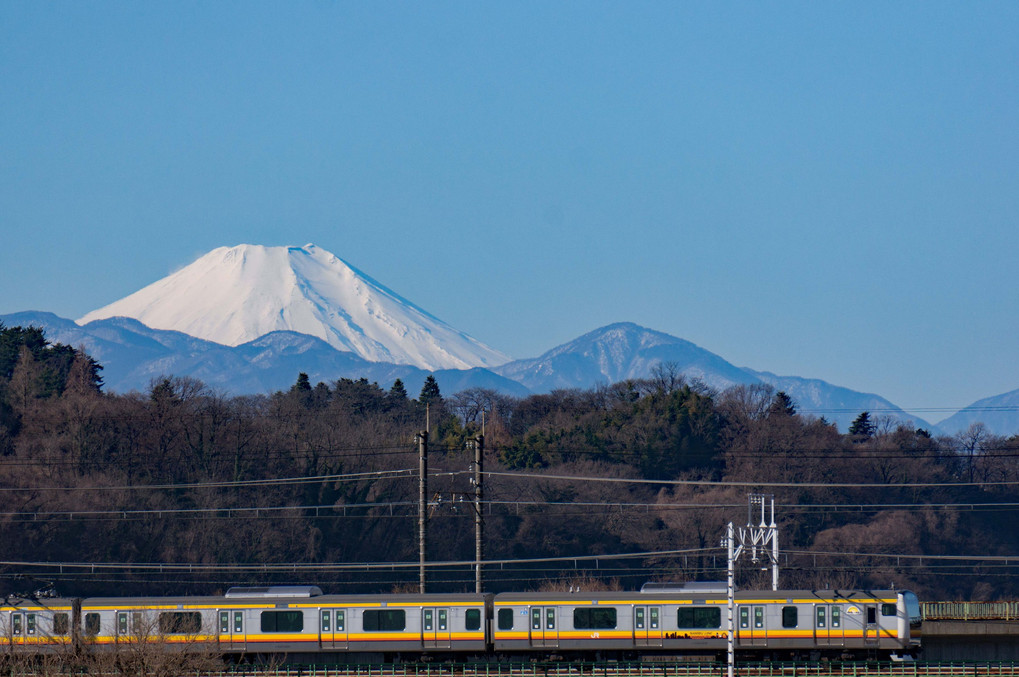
[(862, 427), (430, 391), (398, 391)]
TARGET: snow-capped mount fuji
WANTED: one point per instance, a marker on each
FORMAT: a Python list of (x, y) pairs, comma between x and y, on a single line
[(234, 295)]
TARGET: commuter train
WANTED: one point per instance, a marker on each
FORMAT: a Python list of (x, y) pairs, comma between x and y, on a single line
[(661, 622)]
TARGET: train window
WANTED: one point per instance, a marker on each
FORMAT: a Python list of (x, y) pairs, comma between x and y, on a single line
[(16, 624), (700, 617), (92, 624), (284, 621), (381, 620), (744, 618), (594, 618), (472, 619), (428, 620), (61, 624), (535, 619), (238, 621), (550, 619), (790, 617), (836, 616), (871, 615), (121, 623), (339, 620), (327, 617), (224, 622), (821, 617), (758, 617), (136, 622), (887, 609), (30, 624), (505, 619), (638, 618), (180, 623), (654, 618)]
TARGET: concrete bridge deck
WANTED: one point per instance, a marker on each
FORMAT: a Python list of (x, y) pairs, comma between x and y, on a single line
[(970, 631)]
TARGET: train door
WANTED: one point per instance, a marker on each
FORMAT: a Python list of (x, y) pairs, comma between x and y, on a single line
[(23, 627), (122, 628), (332, 628), (647, 625), (544, 630), (870, 628), (435, 632), (17, 628), (231, 629), (750, 626), (828, 625)]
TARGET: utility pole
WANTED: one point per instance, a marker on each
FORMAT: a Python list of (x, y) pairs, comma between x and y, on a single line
[(732, 554), (479, 521), (422, 440), (756, 537)]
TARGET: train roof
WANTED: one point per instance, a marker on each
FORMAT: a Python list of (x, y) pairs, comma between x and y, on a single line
[(293, 597), (751, 595), (299, 598)]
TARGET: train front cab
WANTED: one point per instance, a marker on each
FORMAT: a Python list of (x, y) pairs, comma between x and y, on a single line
[(909, 625), (827, 625)]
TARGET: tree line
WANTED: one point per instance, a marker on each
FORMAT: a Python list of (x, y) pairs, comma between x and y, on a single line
[(325, 474)]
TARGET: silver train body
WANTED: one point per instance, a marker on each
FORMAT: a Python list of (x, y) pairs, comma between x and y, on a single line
[(661, 623)]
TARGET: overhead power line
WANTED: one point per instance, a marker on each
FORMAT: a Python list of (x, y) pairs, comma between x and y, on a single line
[(192, 567), (304, 567), (718, 483), (344, 477), (356, 510)]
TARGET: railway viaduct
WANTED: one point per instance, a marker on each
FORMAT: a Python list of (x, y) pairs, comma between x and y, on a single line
[(970, 631)]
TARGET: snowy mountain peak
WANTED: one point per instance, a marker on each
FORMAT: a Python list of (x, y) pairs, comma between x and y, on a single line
[(233, 295)]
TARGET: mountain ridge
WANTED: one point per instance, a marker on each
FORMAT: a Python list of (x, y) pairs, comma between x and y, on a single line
[(133, 355), (249, 318), (233, 295)]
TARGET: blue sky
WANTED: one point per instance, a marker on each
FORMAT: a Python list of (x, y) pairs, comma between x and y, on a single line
[(828, 190)]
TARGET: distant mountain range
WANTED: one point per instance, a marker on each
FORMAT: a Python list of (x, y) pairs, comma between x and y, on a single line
[(133, 354), (248, 319)]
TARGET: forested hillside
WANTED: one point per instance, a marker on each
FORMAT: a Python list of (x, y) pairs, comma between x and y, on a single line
[(182, 490)]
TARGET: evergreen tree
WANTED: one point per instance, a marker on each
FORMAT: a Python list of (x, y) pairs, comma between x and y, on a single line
[(321, 395), (301, 391), (862, 426), (782, 405), (54, 361), (398, 392), (430, 391), (303, 384)]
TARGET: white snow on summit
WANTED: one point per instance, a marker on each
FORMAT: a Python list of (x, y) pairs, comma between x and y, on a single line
[(233, 295)]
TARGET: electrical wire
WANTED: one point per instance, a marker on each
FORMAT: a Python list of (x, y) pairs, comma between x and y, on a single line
[(725, 483)]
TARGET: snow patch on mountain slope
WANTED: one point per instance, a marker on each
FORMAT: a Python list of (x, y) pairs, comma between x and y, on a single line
[(234, 295)]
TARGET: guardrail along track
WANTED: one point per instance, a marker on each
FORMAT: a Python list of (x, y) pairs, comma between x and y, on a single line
[(871, 669), (970, 611)]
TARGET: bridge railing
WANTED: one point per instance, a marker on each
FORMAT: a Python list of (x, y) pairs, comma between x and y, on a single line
[(869, 669), (970, 611)]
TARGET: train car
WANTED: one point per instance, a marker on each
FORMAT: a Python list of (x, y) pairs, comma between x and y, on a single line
[(682, 622), (32, 626), (298, 621), (304, 624)]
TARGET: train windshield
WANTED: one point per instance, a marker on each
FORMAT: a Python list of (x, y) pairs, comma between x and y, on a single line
[(912, 609)]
